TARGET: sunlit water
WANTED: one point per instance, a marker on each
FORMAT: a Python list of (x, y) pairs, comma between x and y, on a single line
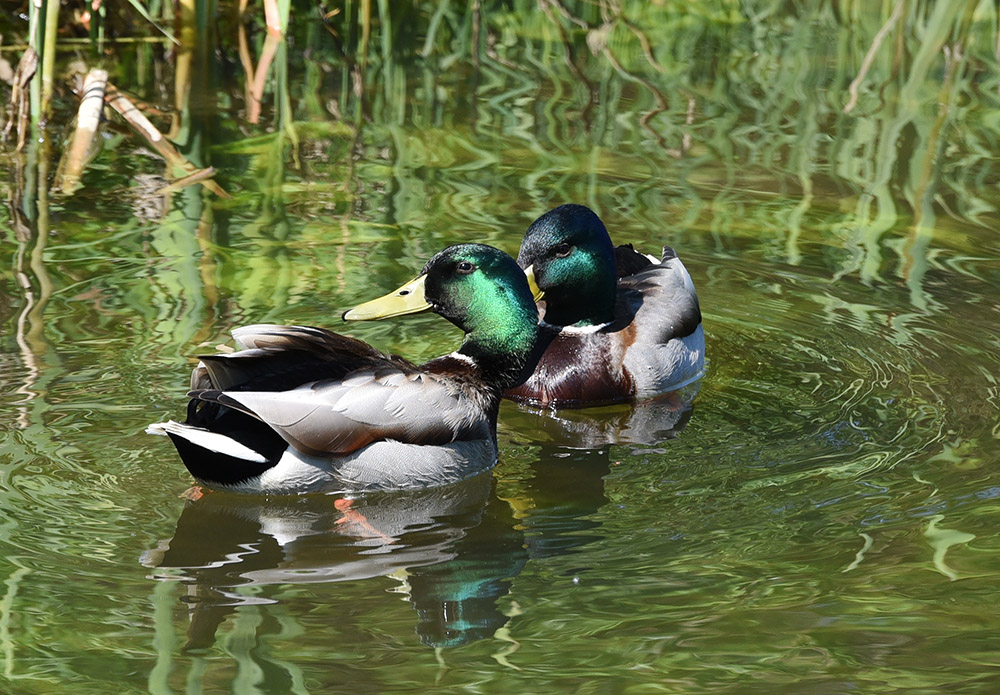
[(817, 516)]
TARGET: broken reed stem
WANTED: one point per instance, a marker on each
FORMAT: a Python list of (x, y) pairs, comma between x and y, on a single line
[(272, 15), (189, 180), (88, 118), (866, 64), (120, 103)]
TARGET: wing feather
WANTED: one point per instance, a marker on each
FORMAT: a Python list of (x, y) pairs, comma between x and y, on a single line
[(275, 358), (659, 302)]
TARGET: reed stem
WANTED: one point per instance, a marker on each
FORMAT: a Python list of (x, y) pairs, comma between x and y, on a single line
[(49, 54)]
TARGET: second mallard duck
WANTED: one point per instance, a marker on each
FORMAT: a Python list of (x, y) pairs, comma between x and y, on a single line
[(620, 326)]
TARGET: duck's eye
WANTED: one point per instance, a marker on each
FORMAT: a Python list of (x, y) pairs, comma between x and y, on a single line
[(562, 250), (465, 267)]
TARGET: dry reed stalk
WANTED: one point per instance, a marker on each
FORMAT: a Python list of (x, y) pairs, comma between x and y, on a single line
[(20, 100), (256, 88), (49, 54), (243, 50), (272, 15)]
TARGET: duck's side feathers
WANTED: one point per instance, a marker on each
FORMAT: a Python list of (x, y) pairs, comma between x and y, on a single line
[(665, 339), (671, 259), (391, 464), (667, 367), (659, 303), (382, 465), (333, 418)]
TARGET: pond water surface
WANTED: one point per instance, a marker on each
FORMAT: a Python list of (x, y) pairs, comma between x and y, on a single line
[(819, 515)]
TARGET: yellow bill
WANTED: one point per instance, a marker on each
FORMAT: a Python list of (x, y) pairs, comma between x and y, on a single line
[(408, 299), (536, 292)]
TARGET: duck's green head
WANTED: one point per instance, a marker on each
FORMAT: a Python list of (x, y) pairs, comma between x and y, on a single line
[(477, 287), (569, 255)]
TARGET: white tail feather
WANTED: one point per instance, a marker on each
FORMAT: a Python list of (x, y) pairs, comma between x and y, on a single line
[(213, 441)]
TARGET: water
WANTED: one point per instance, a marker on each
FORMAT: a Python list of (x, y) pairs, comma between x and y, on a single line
[(820, 520)]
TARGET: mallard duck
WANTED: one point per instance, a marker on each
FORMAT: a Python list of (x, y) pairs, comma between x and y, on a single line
[(300, 409), (619, 325)]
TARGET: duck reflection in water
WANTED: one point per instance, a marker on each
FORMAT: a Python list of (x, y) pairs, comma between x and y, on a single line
[(639, 426), (456, 549), (575, 445)]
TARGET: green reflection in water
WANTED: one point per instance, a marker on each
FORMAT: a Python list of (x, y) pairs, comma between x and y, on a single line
[(821, 520)]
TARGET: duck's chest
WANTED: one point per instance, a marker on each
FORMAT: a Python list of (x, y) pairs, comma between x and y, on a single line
[(577, 370)]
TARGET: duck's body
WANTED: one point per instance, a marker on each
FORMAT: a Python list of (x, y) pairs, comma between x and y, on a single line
[(301, 409), (620, 326)]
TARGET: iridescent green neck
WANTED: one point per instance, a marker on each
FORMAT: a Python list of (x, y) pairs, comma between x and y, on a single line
[(500, 325)]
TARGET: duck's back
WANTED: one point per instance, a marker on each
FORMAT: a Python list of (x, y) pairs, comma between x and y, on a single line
[(300, 409)]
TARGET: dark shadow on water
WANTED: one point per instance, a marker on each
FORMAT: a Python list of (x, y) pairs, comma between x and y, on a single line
[(457, 549)]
